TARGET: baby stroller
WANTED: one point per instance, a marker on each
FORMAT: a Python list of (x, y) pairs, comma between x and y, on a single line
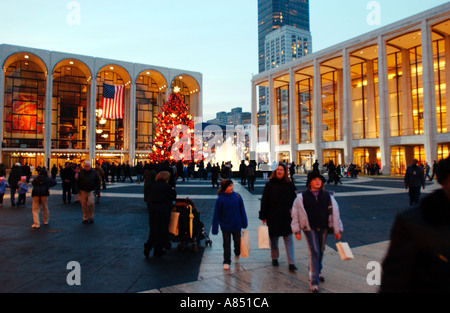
[(190, 229)]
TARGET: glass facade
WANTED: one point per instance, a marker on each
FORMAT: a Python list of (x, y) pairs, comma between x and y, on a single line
[(407, 120), (68, 126)]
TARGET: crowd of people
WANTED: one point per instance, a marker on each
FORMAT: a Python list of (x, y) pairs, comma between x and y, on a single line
[(286, 211)]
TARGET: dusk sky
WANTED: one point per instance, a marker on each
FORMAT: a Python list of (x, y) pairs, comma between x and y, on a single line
[(216, 38)]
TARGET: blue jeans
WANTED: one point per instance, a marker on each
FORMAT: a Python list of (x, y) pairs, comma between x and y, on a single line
[(316, 246), (288, 243)]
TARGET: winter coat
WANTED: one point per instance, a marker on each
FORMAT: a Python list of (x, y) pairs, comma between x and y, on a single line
[(88, 180), (162, 198), (149, 180), (418, 256), (3, 186), (41, 185), (229, 213), (23, 187), (276, 204), (14, 176), (414, 176), (300, 220)]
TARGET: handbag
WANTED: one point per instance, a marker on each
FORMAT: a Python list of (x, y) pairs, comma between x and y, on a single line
[(173, 224), (263, 237), (245, 243), (344, 251)]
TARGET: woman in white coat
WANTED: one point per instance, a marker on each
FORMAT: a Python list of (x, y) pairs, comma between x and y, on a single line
[(315, 212)]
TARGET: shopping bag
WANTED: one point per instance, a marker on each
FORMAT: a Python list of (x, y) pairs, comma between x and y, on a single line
[(245, 243), (344, 250), (263, 237), (173, 224)]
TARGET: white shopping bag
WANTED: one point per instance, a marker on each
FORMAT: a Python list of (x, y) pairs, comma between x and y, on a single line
[(245, 243), (344, 251), (263, 237)]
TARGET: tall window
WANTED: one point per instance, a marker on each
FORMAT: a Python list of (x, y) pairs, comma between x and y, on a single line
[(440, 86), (146, 108), (69, 108), (109, 132), (395, 73), (283, 114), (364, 104), (416, 89), (24, 113), (305, 111), (330, 111)]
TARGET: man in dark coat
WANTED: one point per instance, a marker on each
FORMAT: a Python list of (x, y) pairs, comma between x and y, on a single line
[(414, 180), (88, 181), (419, 253), (13, 179)]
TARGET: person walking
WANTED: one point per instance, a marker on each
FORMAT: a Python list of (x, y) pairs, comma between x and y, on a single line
[(229, 213), (414, 179), (315, 212), (276, 204), (67, 177), (215, 170), (242, 173), (162, 197), (251, 175), (40, 193), (417, 260), (13, 179), (292, 170), (87, 182)]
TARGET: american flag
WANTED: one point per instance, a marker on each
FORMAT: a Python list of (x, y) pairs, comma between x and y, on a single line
[(113, 101)]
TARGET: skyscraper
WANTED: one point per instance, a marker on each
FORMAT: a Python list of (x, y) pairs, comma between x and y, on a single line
[(283, 35), (274, 14)]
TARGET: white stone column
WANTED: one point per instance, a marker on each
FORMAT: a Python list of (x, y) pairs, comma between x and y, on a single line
[(317, 109), (254, 124), (272, 130), (132, 122), (292, 116), (48, 119), (383, 107), (347, 107), (91, 119), (429, 103)]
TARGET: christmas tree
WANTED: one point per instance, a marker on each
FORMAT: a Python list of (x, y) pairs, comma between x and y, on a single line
[(174, 132)]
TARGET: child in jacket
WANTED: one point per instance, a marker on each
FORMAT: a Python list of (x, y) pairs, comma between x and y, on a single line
[(23, 189), (230, 214), (3, 186)]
